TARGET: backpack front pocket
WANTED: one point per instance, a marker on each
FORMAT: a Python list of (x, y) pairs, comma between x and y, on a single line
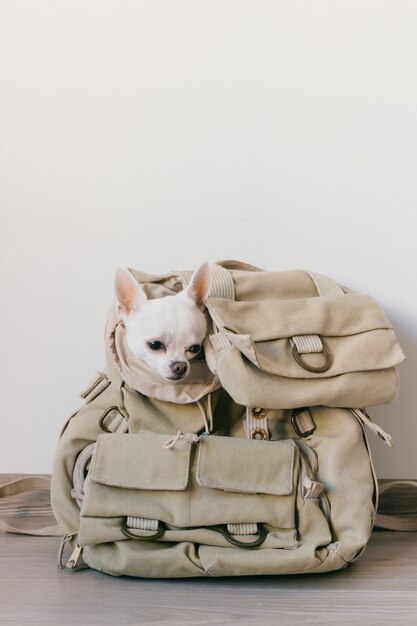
[(333, 350), (246, 481), (220, 491)]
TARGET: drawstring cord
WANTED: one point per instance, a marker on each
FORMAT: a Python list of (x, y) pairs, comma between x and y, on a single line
[(362, 415), (207, 415), (192, 437)]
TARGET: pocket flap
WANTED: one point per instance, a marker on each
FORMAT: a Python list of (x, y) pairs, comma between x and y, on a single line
[(140, 461), (246, 465), (330, 316), (355, 331)]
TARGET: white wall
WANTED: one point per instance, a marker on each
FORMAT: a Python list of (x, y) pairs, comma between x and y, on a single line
[(159, 134)]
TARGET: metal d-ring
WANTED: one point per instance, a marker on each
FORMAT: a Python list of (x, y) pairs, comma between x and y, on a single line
[(104, 415), (328, 360), (262, 533), (160, 531)]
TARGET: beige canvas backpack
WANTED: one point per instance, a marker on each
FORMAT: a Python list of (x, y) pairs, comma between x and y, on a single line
[(258, 462)]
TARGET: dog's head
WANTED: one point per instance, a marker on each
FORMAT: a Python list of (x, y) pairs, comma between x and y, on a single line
[(166, 333)]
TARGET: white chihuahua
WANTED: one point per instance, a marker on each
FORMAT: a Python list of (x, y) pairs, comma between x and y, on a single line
[(167, 332)]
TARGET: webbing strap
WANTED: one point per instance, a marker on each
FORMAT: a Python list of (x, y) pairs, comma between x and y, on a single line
[(256, 423), (222, 285), (142, 523), (303, 422), (119, 425), (242, 529), (325, 285), (99, 383), (18, 486), (307, 344), (313, 488), (24, 485), (312, 344)]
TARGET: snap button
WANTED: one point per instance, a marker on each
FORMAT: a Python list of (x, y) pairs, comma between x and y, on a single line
[(259, 433), (259, 413)]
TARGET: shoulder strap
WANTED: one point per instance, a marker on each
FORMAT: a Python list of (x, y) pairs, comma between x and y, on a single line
[(396, 522), (18, 486)]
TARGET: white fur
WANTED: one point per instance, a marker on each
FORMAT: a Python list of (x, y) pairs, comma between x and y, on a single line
[(178, 321)]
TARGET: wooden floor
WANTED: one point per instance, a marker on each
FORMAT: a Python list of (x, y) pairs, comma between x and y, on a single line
[(380, 588)]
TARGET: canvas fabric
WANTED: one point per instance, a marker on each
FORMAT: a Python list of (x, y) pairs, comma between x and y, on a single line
[(222, 458)]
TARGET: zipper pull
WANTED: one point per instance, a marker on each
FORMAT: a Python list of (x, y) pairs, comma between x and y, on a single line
[(365, 419), (65, 539), (73, 560)]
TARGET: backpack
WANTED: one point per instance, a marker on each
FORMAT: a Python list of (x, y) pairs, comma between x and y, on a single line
[(258, 462)]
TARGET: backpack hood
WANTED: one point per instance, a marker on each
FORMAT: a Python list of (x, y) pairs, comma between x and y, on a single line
[(135, 372)]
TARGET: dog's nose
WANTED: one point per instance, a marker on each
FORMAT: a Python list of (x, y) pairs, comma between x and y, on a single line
[(179, 368)]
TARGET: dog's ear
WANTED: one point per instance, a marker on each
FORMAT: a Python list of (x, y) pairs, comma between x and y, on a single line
[(199, 286), (130, 295)]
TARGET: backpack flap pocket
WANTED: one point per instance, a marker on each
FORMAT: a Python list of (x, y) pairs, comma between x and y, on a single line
[(245, 481), (134, 475), (140, 461), (246, 465), (289, 351), (352, 328)]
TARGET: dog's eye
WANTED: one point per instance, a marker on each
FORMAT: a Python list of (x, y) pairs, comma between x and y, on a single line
[(195, 349), (156, 345)]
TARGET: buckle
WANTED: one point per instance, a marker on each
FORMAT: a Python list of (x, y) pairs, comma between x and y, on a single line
[(304, 427), (104, 415)]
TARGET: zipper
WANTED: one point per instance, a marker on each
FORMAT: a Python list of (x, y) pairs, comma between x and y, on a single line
[(72, 562), (375, 499), (364, 418), (75, 555), (65, 539), (310, 477)]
